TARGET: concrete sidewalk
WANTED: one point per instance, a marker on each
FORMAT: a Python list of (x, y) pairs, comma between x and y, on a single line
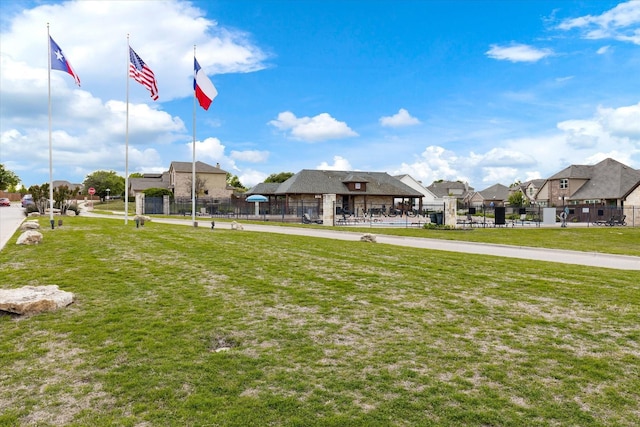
[(590, 259)]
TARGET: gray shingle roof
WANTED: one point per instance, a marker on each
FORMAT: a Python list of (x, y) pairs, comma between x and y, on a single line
[(264, 188), (495, 192), (444, 188), (608, 179), (311, 181), (141, 184), (201, 167)]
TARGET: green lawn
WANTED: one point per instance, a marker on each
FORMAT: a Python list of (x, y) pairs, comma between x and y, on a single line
[(321, 333)]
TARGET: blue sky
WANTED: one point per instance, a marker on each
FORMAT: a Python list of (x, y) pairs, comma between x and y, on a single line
[(481, 91)]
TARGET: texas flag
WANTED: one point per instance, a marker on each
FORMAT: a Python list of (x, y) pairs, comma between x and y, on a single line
[(205, 90), (59, 61)]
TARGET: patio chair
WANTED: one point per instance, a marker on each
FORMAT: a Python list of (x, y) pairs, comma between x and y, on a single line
[(306, 219)]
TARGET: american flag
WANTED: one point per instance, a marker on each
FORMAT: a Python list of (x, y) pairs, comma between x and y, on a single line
[(142, 74)]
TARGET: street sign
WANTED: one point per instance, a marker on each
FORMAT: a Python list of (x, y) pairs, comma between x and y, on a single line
[(92, 191)]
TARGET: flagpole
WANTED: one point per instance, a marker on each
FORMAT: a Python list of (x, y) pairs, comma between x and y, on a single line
[(126, 144), (50, 143), (193, 161)]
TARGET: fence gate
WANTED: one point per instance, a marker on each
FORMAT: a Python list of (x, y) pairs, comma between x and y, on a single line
[(153, 205)]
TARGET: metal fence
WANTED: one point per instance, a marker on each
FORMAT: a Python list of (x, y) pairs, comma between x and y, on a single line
[(398, 215), (583, 214)]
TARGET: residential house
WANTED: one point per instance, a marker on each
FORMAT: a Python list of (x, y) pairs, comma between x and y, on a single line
[(530, 190), (608, 183), (456, 189), (70, 186), (496, 195), (211, 181)]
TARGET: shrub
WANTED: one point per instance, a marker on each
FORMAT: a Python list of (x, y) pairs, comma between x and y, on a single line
[(74, 207), (31, 207)]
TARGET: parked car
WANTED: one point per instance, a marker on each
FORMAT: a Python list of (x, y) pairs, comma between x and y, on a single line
[(27, 200), (4, 201)]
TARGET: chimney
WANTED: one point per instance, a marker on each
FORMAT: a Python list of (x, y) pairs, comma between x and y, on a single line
[(218, 165)]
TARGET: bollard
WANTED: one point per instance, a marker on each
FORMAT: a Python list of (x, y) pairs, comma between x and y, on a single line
[(59, 223), (53, 224), (195, 223), (137, 222), (141, 222), (213, 224)]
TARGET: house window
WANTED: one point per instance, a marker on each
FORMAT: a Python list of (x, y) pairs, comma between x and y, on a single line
[(357, 186), (564, 183)]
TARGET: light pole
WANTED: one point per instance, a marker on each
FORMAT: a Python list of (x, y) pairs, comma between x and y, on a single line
[(108, 190)]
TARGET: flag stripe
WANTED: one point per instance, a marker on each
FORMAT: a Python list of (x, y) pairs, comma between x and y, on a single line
[(205, 91), (141, 73)]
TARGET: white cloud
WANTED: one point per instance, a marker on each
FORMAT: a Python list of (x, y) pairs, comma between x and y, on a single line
[(250, 178), (312, 129), (620, 23), (603, 50), (434, 163), (401, 118), (339, 164), (621, 121), (518, 53)]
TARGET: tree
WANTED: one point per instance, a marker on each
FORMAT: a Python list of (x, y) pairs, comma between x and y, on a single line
[(234, 181), (136, 175), (7, 178), (101, 180), (279, 177), (157, 192), (62, 197), (516, 199), (40, 194), (201, 189)]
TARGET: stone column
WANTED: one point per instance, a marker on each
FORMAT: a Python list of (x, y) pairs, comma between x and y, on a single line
[(328, 208), (139, 203), (166, 207), (450, 211)]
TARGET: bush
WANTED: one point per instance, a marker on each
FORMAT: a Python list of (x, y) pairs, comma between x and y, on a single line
[(74, 207), (31, 207), (158, 192)]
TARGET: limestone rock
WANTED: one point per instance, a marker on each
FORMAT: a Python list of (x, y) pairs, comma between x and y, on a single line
[(34, 214), (71, 213), (144, 218), (236, 226), (29, 237), (368, 237), (30, 225), (34, 299)]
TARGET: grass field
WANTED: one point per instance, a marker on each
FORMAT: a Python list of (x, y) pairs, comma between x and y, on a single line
[(320, 332)]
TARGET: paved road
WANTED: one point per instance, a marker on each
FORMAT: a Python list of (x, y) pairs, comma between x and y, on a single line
[(10, 219), (591, 259)]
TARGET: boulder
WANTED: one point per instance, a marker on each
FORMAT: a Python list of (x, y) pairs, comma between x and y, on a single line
[(236, 226), (30, 237), (368, 237), (30, 225), (34, 214), (34, 299), (70, 213)]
